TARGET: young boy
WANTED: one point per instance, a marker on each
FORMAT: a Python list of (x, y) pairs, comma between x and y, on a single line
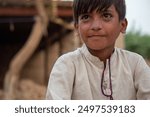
[(98, 70)]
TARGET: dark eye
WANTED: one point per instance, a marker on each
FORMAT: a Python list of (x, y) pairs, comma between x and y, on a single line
[(85, 17), (107, 16)]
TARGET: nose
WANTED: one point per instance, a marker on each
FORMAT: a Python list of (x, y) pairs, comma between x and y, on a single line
[(96, 24)]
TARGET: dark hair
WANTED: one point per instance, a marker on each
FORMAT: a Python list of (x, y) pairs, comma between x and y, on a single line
[(85, 6)]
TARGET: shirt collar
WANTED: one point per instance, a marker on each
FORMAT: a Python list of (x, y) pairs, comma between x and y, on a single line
[(94, 59)]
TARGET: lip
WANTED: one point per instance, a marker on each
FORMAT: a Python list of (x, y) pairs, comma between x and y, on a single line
[(96, 36)]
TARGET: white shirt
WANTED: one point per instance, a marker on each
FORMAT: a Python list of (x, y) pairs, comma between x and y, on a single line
[(77, 75)]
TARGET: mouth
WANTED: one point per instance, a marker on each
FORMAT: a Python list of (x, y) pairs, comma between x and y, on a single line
[(96, 36)]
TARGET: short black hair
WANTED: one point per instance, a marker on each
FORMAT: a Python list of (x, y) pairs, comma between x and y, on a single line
[(86, 6)]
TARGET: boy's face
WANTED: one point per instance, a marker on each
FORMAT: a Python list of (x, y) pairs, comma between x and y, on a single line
[(99, 30)]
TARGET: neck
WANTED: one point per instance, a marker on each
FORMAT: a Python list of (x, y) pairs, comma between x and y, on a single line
[(102, 54)]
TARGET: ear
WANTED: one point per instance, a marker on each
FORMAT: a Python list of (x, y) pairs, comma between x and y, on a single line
[(124, 24), (76, 26)]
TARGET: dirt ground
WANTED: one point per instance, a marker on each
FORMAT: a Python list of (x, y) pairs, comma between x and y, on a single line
[(28, 90)]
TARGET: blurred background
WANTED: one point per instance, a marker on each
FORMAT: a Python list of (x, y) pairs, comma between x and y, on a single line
[(34, 33)]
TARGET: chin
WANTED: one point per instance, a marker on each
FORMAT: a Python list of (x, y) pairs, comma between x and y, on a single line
[(94, 47)]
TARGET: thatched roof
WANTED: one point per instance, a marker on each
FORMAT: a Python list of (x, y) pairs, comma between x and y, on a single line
[(30, 3), (19, 2), (27, 7)]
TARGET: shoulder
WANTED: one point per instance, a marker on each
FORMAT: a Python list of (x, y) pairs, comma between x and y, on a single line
[(134, 60), (70, 57), (128, 54)]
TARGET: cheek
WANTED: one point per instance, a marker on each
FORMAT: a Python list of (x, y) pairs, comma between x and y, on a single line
[(113, 31), (82, 31)]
